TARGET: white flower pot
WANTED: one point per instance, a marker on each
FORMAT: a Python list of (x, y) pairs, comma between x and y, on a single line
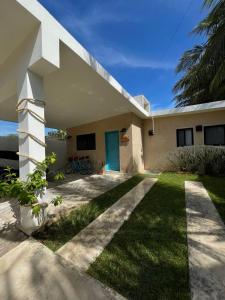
[(28, 221)]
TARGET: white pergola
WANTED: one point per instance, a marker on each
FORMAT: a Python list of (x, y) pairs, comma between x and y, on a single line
[(47, 77)]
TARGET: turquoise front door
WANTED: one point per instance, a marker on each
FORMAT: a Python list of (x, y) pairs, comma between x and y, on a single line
[(112, 151)]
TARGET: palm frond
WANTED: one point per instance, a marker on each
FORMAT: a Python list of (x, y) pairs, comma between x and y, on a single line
[(218, 79), (209, 24), (190, 58), (209, 3)]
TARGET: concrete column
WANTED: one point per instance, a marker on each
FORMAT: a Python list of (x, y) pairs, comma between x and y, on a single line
[(31, 123)]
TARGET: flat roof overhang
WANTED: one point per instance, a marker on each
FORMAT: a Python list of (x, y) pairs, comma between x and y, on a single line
[(191, 109), (77, 88)]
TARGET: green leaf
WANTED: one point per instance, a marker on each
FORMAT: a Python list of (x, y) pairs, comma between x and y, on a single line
[(27, 191), (36, 210), (59, 176), (58, 200)]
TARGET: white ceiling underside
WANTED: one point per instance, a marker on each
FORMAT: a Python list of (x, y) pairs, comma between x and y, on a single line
[(79, 91)]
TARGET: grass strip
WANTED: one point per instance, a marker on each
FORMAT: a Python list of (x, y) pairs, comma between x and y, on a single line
[(148, 256), (216, 189), (57, 234)]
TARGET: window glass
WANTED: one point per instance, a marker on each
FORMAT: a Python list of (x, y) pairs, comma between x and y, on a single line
[(86, 142), (181, 138), (188, 137), (214, 135), (184, 137)]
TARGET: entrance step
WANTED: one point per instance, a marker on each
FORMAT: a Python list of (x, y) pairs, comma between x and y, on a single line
[(206, 244), (86, 246)]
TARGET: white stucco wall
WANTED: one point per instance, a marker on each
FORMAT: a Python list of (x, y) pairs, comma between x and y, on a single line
[(10, 143), (59, 147)]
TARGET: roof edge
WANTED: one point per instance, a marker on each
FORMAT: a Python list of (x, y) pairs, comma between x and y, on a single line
[(191, 109)]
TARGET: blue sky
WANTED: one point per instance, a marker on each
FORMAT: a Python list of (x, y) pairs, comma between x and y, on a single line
[(138, 42)]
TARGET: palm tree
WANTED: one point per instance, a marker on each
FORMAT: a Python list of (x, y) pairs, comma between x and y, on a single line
[(204, 65)]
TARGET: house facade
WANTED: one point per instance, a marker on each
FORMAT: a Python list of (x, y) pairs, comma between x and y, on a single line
[(148, 142), (48, 79)]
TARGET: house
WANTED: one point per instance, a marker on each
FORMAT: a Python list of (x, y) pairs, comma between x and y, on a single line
[(48, 79), (151, 140)]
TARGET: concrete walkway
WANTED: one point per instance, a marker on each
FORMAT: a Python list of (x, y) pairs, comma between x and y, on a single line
[(76, 191), (85, 247), (32, 272), (206, 244), (10, 236), (9, 211)]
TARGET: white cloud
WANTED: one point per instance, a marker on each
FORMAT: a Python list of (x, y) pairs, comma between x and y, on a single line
[(86, 23), (111, 57)]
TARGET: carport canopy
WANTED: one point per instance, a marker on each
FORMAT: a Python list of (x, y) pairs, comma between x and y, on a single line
[(48, 79)]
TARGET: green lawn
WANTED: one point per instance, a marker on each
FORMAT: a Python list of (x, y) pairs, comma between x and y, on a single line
[(216, 189), (57, 234), (147, 258)]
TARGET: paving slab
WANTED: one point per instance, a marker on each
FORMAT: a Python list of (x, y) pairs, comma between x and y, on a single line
[(33, 272), (10, 238), (77, 190), (9, 212), (206, 244), (86, 246)]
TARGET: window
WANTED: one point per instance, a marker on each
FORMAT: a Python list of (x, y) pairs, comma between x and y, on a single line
[(185, 137), (86, 142), (214, 135)]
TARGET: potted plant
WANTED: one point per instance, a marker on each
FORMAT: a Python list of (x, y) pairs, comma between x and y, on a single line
[(29, 192), (101, 167)]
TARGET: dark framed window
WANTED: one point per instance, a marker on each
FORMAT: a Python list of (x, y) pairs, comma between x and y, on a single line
[(185, 137), (86, 142), (214, 135)]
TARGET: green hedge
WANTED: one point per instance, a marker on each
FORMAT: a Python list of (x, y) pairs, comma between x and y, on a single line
[(208, 160)]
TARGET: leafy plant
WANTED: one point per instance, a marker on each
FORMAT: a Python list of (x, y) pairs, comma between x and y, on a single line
[(27, 192), (59, 176)]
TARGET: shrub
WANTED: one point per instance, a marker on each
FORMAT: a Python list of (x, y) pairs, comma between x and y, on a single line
[(28, 191), (208, 160)]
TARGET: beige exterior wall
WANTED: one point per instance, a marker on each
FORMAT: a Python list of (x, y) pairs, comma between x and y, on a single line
[(137, 144), (157, 148), (131, 152), (143, 151)]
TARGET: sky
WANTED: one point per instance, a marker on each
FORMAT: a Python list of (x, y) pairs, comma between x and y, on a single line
[(138, 42)]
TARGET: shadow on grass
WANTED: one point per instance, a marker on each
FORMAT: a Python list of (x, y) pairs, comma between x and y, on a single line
[(148, 257), (57, 234)]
